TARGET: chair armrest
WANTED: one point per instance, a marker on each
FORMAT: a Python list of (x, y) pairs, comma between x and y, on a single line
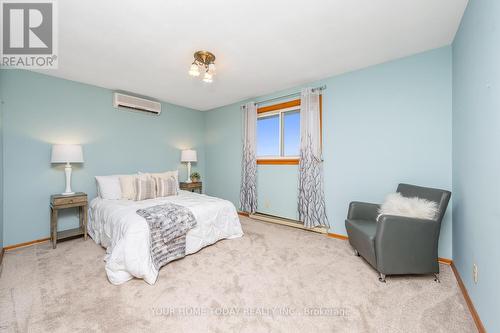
[(362, 211), (405, 245), (389, 224)]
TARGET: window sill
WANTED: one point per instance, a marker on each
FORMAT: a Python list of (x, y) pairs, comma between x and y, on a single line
[(278, 161)]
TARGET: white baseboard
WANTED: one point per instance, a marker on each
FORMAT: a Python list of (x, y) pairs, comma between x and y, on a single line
[(287, 222)]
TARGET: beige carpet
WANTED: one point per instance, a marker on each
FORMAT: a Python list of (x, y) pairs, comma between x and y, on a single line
[(275, 279)]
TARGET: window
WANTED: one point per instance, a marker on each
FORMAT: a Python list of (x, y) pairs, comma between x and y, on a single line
[(278, 133), (291, 133), (268, 135)]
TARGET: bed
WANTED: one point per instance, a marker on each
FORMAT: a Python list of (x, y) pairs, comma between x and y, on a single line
[(115, 225)]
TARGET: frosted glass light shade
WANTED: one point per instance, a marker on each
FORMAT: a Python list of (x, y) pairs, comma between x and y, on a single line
[(194, 70), (67, 154), (188, 155), (207, 78)]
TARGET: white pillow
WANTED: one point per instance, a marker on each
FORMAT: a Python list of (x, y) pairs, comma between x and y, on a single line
[(109, 187), (127, 183), (396, 204)]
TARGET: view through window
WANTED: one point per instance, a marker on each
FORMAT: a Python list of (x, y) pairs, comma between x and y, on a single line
[(278, 134)]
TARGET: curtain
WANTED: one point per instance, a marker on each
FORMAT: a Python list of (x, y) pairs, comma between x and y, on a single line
[(248, 190), (312, 210)]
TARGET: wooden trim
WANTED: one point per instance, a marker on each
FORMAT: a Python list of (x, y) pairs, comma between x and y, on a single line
[(445, 261), (468, 300), (244, 214), (33, 242), (279, 106), (337, 236), (278, 161)]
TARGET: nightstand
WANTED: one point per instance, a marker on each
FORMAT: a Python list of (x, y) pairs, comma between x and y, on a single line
[(192, 187), (59, 201)]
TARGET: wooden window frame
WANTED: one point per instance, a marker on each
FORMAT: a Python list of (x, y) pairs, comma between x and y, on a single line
[(278, 107)]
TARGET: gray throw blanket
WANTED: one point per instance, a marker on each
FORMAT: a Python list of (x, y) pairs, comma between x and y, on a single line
[(168, 226)]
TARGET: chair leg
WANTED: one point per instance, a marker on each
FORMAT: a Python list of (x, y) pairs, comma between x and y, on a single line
[(436, 278), (356, 253), (382, 277)]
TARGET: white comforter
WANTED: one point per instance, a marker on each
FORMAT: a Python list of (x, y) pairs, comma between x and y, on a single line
[(116, 226)]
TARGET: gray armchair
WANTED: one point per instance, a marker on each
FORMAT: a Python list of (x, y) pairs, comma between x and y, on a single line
[(397, 244)]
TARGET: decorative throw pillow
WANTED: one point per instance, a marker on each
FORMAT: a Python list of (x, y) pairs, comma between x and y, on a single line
[(166, 187), (108, 187), (127, 183), (145, 188), (164, 175), (396, 204)]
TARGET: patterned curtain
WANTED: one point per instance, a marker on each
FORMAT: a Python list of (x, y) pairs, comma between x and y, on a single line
[(312, 211), (248, 190)]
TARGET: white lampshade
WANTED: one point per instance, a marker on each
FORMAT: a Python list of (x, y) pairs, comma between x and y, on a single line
[(188, 155), (67, 154)]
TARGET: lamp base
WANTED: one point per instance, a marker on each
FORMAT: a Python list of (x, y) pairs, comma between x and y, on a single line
[(188, 180), (67, 171)]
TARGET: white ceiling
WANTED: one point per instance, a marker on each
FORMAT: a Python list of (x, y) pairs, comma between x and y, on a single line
[(261, 46)]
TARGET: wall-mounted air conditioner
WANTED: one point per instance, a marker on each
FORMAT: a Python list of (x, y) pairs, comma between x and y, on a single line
[(136, 104)]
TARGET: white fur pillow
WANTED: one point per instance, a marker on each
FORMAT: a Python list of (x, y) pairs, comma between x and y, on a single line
[(396, 204)]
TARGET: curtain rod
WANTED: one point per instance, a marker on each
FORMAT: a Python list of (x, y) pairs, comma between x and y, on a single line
[(289, 95)]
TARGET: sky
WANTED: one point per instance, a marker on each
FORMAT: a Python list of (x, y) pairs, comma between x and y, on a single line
[(268, 135)]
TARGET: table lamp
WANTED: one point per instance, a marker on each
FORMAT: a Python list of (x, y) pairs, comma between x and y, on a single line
[(67, 154), (188, 156)]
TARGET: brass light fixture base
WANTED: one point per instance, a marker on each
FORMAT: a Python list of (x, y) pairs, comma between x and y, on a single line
[(203, 63), (204, 57)]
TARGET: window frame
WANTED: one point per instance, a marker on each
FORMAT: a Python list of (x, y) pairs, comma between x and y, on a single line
[(281, 114), (280, 109)]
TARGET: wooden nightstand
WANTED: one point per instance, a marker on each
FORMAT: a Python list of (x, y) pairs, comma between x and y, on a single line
[(192, 187), (59, 201)]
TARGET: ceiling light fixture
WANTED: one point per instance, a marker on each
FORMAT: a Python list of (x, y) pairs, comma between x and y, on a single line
[(203, 63)]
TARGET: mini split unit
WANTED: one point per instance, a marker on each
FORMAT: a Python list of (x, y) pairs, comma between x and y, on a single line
[(136, 104)]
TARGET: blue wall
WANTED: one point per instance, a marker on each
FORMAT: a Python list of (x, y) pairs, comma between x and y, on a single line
[(277, 190), (381, 125), (476, 157), (40, 110)]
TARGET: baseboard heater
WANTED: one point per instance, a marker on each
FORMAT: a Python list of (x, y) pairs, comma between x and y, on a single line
[(287, 222)]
